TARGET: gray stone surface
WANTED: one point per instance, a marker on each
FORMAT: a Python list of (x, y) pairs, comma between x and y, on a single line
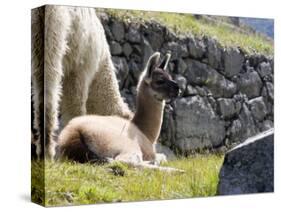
[(202, 74), (264, 69), (233, 61), (133, 35), (115, 48), (196, 48), (177, 50), (127, 49), (214, 54), (250, 84), (249, 167), (258, 108), (197, 126), (226, 107), (270, 90), (118, 30)]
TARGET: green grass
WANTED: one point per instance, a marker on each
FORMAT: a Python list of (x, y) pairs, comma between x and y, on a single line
[(69, 183), (228, 35)]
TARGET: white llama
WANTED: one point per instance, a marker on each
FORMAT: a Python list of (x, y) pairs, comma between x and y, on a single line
[(72, 71)]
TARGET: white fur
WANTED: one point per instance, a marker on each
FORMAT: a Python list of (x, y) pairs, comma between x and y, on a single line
[(72, 70)]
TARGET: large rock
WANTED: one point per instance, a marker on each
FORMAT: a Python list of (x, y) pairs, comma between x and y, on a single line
[(227, 107), (249, 167), (127, 49), (133, 34), (118, 30), (196, 48), (202, 74), (177, 49), (233, 61), (250, 84), (154, 34), (197, 126), (214, 54), (115, 48)]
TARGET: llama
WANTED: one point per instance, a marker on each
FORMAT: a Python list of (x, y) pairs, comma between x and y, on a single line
[(72, 72), (113, 138)]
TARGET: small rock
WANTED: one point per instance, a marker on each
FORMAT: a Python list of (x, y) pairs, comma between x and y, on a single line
[(127, 49), (115, 48), (258, 108), (226, 107)]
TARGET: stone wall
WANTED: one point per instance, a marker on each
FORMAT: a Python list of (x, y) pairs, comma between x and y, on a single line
[(227, 95)]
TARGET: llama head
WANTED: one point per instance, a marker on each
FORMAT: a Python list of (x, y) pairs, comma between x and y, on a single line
[(156, 81)]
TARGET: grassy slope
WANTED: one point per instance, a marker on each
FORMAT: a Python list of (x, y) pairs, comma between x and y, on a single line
[(225, 33), (69, 183)]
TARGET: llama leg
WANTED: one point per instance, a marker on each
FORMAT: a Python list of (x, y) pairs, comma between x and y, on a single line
[(37, 79), (75, 94), (56, 30), (104, 96)]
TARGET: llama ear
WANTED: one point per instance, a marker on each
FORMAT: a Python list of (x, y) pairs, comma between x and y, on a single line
[(165, 61), (152, 63)]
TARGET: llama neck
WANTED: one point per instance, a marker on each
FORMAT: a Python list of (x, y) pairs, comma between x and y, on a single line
[(149, 115)]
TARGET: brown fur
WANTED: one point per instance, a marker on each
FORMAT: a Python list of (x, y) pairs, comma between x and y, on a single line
[(120, 139)]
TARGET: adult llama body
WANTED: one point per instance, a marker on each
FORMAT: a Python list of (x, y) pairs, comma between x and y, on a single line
[(72, 72)]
